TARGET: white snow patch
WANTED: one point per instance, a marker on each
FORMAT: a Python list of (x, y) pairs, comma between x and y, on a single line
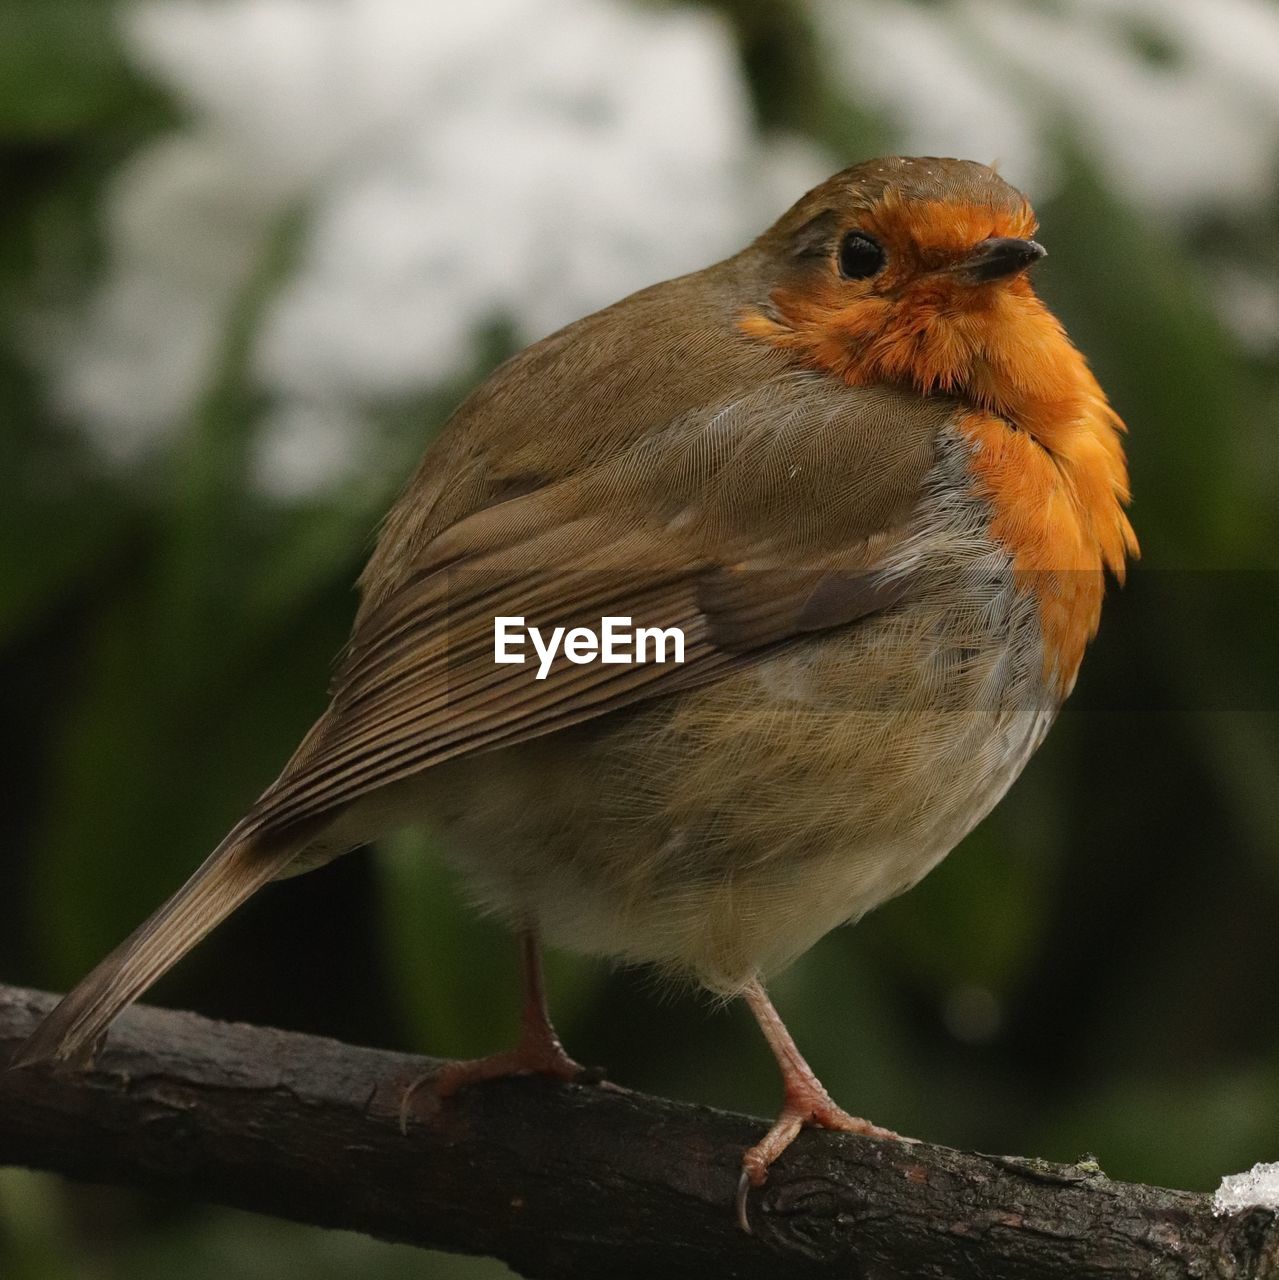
[(521, 160), (1256, 1189)]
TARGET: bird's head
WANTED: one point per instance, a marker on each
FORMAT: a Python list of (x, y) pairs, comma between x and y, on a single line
[(913, 272)]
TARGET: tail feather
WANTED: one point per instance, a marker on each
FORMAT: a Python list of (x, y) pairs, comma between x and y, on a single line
[(238, 867)]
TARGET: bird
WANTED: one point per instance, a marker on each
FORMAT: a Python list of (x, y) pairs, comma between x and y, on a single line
[(862, 471)]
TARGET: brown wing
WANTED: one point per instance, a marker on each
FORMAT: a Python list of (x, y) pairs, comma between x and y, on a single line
[(744, 524)]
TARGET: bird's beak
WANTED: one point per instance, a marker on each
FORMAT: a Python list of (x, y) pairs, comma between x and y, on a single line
[(997, 258)]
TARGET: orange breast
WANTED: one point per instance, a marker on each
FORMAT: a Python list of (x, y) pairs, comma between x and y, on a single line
[(1062, 525)]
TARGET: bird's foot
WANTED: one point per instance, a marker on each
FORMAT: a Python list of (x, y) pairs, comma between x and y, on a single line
[(539, 1059), (807, 1104), (534, 1056)]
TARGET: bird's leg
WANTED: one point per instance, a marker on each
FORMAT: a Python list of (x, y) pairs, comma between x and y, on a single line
[(537, 1052), (804, 1102)]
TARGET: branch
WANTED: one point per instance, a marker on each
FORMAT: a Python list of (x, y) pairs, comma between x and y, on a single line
[(572, 1181)]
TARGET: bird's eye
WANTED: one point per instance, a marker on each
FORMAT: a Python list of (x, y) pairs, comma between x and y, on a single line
[(860, 256)]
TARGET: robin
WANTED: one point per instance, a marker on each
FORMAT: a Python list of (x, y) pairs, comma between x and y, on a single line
[(862, 473)]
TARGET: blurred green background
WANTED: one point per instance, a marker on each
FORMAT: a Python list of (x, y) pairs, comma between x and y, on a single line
[(252, 253)]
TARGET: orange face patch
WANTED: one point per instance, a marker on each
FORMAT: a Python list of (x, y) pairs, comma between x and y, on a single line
[(915, 322)]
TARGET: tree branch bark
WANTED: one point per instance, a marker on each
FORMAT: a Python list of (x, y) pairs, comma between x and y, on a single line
[(565, 1181)]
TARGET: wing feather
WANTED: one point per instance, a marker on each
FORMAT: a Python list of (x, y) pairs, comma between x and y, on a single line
[(694, 527)]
